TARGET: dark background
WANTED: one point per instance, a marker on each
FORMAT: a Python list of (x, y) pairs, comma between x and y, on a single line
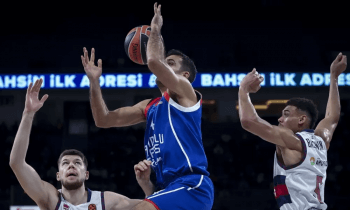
[(219, 36)]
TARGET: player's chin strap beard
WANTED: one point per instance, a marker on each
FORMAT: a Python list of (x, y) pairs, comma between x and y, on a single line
[(74, 185)]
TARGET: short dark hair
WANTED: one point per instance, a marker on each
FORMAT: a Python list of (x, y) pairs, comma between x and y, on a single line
[(73, 152), (307, 106), (187, 64)]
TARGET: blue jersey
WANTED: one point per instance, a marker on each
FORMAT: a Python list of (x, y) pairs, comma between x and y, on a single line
[(173, 139)]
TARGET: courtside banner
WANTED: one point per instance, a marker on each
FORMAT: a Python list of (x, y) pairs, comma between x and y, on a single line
[(24, 208), (147, 80)]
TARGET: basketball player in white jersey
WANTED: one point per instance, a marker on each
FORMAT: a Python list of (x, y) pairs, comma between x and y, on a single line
[(301, 153), (72, 173)]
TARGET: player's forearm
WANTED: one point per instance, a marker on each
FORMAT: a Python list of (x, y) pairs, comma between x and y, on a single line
[(333, 104), (98, 106), (148, 188), (155, 53), (247, 111), (155, 47), (20, 144)]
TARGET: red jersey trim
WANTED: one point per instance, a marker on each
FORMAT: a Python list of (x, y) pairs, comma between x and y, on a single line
[(281, 190), (156, 100), (166, 96), (151, 202)]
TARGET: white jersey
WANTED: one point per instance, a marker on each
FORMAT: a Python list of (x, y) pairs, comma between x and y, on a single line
[(301, 186), (95, 201)]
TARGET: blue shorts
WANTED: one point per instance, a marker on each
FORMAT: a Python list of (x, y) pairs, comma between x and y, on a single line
[(187, 192)]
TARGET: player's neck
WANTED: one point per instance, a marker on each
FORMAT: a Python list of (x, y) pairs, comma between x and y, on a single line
[(75, 197), (163, 90), (302, 128)]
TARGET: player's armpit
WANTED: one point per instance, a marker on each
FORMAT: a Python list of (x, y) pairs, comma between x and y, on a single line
[(115, 201), (280, 136), (125, 116), (43, 193), (325, 130)]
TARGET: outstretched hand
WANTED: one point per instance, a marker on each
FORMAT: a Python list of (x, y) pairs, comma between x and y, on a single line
[(157, 21), (92, 71), (33, 104), (339, 64), (251, 82)]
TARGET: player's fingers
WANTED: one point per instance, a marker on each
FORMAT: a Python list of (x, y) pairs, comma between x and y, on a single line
[(83, 60), (158, 9), (44, 98), (29, 87), (136, 167), (138, 174), (92, 56), (99, 63), (86, 56), (36, 86), (344, 59), (147, 162), (40, 84), (338, 58), (155, 8), (253, 71), (143, 165), (261, 78)]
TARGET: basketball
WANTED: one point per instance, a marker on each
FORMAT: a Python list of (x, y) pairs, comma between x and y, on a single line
[(135, 44)]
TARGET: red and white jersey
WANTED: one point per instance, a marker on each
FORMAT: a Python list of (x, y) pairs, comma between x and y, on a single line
[(95, 201), (301, 186)]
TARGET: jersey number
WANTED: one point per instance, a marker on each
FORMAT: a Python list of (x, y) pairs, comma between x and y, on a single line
[(317, 190)]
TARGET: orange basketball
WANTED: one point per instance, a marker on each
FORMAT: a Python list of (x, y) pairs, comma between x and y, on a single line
[(135, 44)]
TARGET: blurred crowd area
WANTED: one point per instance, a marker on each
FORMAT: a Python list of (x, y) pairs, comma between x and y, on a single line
[(240, 164)]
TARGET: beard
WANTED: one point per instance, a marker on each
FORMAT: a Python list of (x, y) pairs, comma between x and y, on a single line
[(73, 185)]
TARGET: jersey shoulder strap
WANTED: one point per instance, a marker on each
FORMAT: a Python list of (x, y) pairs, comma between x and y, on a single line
[(150, 103)]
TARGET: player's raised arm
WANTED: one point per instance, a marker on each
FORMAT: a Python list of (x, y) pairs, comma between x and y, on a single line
[(159, 65), (39, 190), (326, 127), (251, 121), (104, 118)]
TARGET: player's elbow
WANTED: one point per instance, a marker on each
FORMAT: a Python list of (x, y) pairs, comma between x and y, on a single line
[(101, 124), (14, 163)]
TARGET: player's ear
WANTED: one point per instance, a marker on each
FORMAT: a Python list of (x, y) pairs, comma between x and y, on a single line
[(58, 176), (186, 74), (87, 174), (302, 119)]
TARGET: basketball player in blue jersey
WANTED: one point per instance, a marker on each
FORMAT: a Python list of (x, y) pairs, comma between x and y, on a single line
[(72, 165), (301, 153), (173, 139)]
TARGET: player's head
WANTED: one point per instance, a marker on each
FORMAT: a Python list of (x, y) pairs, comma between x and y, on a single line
[(72, 169), (181, 64), (299, 114)]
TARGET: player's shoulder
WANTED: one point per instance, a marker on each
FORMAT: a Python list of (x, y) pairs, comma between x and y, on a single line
[(309, 134)]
